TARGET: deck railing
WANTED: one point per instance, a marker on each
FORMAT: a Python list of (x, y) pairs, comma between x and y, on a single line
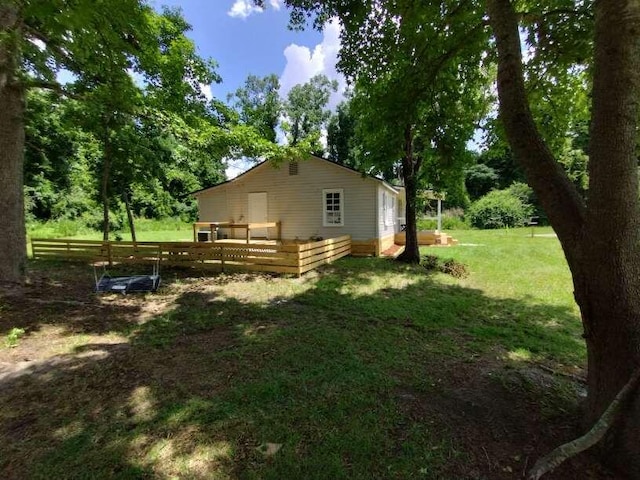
[(286, 257)]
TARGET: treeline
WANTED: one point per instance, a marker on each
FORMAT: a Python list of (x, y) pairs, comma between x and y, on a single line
[(157, 156)]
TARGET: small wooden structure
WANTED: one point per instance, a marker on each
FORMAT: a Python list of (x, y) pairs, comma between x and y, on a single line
[(428, 237), (214, 226), (291, 256)]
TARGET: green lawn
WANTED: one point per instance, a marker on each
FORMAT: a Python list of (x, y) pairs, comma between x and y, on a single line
[(146, 230), (364, 369)]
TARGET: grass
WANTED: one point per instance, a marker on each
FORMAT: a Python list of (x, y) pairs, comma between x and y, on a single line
[(146, 230), (364, 369)]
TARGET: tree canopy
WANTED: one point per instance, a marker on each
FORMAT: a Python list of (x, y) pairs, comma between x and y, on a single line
[(136, 92), (305, 109)]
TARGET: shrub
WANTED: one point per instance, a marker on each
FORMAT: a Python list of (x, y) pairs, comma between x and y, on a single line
[(499, 209), (12, 337), (452, 219), (430, 262), (450, 266), (455, 269), (522, 191)]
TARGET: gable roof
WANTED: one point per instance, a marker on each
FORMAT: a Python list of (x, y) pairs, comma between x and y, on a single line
[(265, 162)]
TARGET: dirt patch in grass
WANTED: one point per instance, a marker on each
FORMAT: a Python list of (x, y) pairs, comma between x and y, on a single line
[(501, 419), (342, 368)]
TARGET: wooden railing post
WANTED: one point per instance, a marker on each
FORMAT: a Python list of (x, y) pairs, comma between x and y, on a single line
[(222, 257), (109, 260)]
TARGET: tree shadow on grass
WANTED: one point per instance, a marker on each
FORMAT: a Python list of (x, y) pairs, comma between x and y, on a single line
[(355, 378), (62, 294)]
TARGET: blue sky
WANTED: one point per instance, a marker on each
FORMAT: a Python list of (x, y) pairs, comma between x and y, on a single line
[(245, 40)]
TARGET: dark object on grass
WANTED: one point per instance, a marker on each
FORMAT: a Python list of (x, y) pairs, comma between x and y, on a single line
[(450, 266), (455, 269), (128, 284), (430, 262)]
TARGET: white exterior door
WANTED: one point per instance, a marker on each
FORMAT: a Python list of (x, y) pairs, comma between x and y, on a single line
[(258, 212)]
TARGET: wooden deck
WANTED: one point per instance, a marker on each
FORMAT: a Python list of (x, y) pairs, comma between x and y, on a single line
[(278, 256), (213, 227), (428, 237)]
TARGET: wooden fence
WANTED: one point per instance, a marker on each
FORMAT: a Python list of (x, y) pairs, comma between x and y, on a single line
[(295, 258)]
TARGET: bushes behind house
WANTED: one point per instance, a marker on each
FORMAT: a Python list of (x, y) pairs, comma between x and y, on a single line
[(499, 209), (452, 219)]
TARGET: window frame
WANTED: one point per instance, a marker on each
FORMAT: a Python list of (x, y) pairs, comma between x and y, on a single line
[(325, 212)]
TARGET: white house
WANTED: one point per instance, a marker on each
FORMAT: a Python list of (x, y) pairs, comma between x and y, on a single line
[(311, 198)]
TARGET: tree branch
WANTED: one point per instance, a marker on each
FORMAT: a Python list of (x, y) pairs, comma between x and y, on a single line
[(549, 462), (47, 85), (57, 50), (537, 16)]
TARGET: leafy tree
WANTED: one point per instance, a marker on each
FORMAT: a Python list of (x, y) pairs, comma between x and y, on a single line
[(59, 157), (306, 113), (105, 45), (480, 179), (341, 142), (418, 89), (37, 39), (259, 105)]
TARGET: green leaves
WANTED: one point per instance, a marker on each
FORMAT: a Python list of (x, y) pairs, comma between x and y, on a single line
[(259, 105), (305, 109)]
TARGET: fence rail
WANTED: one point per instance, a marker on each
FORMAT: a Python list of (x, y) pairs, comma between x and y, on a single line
[(294, 258)]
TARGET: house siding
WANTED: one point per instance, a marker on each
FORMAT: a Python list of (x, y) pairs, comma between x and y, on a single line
[(212, 206), (297, 200)]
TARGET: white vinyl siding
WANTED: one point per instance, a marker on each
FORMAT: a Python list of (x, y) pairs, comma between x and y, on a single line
[(212, 206), (332, 204)]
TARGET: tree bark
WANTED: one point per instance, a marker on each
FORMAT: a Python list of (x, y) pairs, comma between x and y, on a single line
[(132, 226), (104, 191), (12, 98), (610, 288), (410, 169), (600, 238)]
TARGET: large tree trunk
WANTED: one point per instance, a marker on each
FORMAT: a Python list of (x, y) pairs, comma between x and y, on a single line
[(410, 169), (600, 239), (610, 299), (411, 252), (12, 230)]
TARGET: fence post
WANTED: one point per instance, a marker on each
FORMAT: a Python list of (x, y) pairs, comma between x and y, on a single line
[(222, 257), (109, 253)]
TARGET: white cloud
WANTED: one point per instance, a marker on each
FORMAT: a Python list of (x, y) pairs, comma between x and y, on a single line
[(275, 4), (244, 8), (304, 63), (206, 91)]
